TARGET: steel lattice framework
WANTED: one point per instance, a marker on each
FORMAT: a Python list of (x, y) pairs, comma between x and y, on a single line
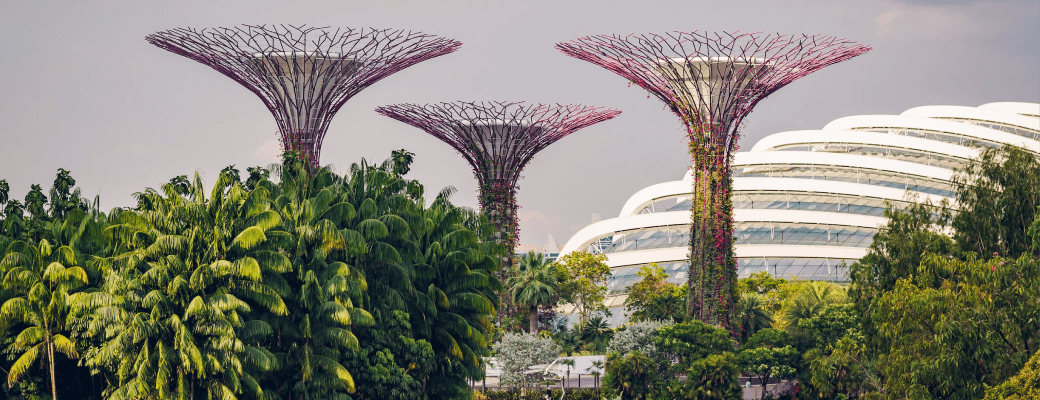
[(498, 139), (711, 81), (303, 74)]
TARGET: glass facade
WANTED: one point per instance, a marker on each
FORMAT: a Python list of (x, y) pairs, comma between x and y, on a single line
[(1012, 129), (623, 277), (865, 176), (788, 200), (770, 233), (880, 151), (945, 137), (651, 238), (668, 204), (615, 317), (746, 233), (780, 233), (806, 268), (816, 269)]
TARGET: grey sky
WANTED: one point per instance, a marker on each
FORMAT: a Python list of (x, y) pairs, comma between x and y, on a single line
[(82, 90)]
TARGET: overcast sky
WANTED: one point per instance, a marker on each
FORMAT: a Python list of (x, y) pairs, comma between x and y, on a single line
[(80, 88)]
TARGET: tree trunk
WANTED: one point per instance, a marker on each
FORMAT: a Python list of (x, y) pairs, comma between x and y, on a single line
[(711, 295), (50, 359), (765, 385), (532, 315)]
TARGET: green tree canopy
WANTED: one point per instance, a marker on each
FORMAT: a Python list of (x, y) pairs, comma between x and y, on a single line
[(653, 298), (768, 354), (534, 284), (956, 327), (1024, 386), (997, 194), (583, 279), (752, 315), (692, 341)]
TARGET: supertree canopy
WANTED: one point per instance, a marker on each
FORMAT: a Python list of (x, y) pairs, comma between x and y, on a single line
[(711, 81), (303, 74), (498, 139)]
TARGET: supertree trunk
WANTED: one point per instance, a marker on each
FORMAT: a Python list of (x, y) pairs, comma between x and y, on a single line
[(498, 202), (713, 270)]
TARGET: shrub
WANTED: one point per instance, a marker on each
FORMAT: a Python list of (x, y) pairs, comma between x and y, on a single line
[(630, 377), (691, 341), (1025, 385), (570, 394), (638, 336), (711, 378), (516, 353)]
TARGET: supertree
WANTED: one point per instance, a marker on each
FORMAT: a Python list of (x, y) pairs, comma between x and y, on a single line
[(711, 81), (498, 139), (303, 74)]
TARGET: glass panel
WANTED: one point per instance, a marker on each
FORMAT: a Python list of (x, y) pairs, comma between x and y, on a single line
[(914, 156), (1016, 130), (849, 174)]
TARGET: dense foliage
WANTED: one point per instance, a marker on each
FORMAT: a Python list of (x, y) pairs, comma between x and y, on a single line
[(304, 284), (568, 394), (684, 361), (1024, 385), (653, 298), (584, 282), (313, 285)]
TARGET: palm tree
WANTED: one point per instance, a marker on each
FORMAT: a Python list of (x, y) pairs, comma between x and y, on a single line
[(752, 315), (14, 223), (568, 339), (534, 285), (401, 161), (41, 281), (813, 299), (173, 318), (322, 312), (595, 333), (455, 292)]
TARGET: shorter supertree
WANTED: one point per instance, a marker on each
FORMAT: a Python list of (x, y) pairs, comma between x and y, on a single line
[(498, 139)]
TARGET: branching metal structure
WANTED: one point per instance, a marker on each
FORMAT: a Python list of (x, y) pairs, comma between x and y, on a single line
[(303, 74), (711, 81), (498, 139)]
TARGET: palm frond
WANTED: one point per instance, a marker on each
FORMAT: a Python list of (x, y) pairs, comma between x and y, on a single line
[(22, 365), (249, 238), (65, 346)]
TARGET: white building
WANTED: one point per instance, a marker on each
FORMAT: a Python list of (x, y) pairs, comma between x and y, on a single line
[(807, 203)]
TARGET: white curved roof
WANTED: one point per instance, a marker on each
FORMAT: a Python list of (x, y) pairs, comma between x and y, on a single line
[(974, 113), (672, 189), (930, 124), (839, 160), (672, 254), (1030, 109), (863, 138), (613, 226)]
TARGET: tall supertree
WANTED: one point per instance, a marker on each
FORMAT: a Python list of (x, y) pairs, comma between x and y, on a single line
[(303, 74), (711, 81), (498, 139)]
